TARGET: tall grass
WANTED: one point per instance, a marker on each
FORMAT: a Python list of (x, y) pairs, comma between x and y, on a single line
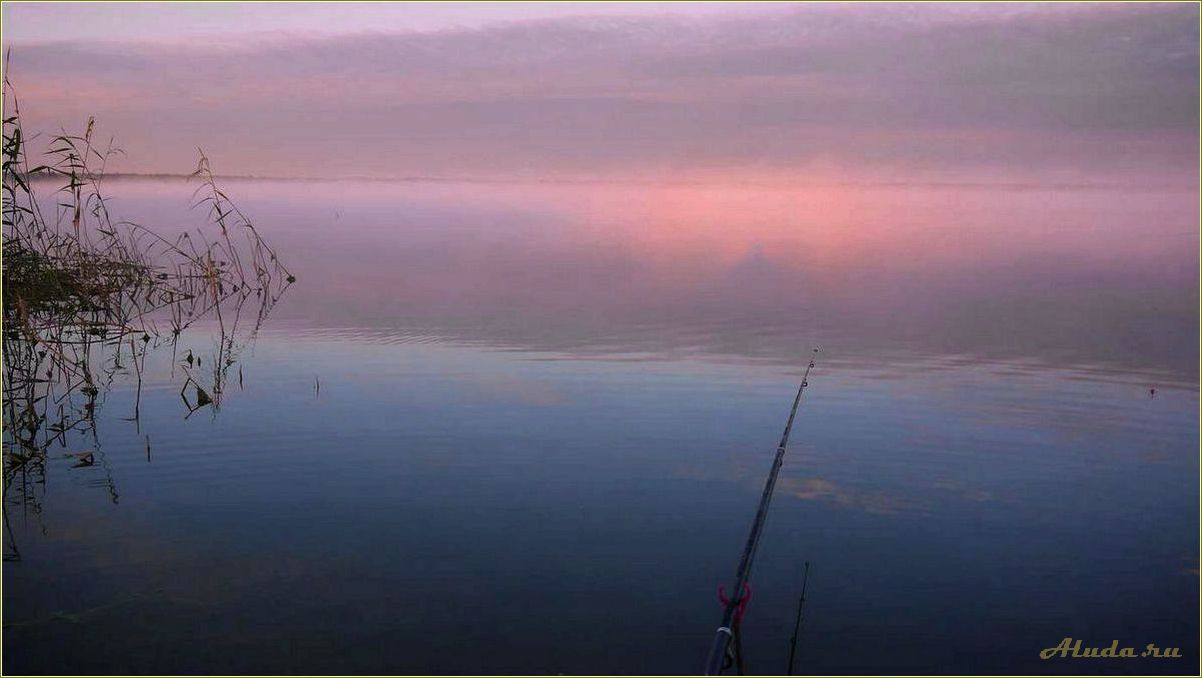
[(85, 297)]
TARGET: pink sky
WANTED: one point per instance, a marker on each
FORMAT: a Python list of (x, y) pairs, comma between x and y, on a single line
[(53, 21), (662, 90)]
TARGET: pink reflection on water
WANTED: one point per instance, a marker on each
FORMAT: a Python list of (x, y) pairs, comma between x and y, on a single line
[(1063, 272)]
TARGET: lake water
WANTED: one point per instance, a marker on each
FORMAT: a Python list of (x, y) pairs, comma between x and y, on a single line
[(522, 428)]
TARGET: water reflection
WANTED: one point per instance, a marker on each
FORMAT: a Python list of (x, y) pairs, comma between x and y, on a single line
[(129, 292), (545, 416), (49, 418), (1083, 275)]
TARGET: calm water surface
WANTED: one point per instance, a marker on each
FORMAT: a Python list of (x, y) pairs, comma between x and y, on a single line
[(521, 428)]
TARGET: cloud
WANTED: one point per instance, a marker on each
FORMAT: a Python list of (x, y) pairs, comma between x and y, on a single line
[(1015, 89)]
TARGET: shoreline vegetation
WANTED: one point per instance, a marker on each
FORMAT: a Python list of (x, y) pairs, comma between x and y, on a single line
[(1062, 185), (86, 297)]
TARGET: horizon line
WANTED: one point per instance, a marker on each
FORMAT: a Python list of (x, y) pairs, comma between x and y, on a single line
[(1084, 185)]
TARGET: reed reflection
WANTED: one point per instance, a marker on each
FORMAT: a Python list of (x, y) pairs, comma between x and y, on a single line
[(89, 297)]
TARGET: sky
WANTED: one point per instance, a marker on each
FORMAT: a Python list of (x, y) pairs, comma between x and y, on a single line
[(948, 92)]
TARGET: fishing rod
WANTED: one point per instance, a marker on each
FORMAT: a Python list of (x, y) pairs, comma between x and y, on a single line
[(797, 625), (729, 627)]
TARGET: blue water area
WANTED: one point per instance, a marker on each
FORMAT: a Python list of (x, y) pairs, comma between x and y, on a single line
[(560, 486)]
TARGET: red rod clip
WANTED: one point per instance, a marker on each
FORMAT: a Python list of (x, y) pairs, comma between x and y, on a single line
[(742, 602)]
